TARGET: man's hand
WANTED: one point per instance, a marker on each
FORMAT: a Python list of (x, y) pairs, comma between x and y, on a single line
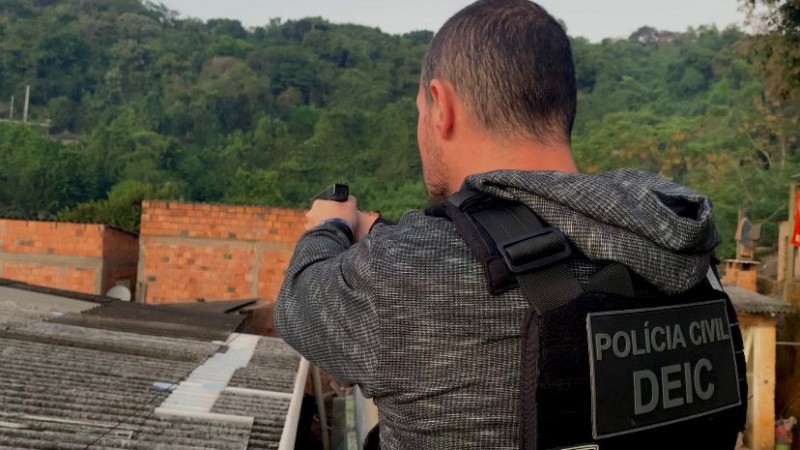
[(322, 210)]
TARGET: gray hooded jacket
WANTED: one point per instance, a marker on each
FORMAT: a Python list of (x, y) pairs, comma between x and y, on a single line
[(406, 313)]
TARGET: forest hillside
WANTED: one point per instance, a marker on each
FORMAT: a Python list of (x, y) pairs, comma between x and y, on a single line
[(130, 101)]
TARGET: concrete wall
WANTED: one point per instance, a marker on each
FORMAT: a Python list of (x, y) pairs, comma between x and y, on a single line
[(86, 258), (214, 252)]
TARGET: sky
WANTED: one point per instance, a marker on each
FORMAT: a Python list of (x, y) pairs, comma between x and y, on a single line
[(593, 19)]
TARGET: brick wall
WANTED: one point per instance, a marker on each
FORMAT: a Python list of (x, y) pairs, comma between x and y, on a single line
[(214, 252), (68, 256), (120, 259)]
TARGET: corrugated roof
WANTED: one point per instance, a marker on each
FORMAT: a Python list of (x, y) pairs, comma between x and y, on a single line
[(210, 306), (122, 343), (272, 368), (75, 395), (270, 415), (76, 384), (22, 307), (55, 292), (156, 321), (749, 302)]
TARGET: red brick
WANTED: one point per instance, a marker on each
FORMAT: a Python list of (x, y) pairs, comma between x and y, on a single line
[(67, 240), (199, 271)]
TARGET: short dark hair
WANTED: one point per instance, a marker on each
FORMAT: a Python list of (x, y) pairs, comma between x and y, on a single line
[(511, 63)]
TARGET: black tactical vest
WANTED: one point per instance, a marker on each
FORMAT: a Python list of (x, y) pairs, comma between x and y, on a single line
[(611, 363)]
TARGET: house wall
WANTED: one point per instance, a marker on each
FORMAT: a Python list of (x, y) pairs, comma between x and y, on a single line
[(120, 259), (214, 252), (79, 257)]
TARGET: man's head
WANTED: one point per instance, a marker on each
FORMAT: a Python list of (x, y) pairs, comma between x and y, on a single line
[(499, 71)]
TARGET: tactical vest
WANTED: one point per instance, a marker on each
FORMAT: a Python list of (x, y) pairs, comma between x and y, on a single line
[(611, 363)]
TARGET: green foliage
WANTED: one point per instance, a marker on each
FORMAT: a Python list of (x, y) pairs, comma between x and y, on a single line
[(123, 207), (777, 46), (38, 176), (163, 107), (692, 110), (260, 187)]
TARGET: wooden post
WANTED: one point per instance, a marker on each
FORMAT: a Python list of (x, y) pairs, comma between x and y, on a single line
[(791, 250), (11, 112), (760, 432), (783, 247), (740, 235), (27, 103)]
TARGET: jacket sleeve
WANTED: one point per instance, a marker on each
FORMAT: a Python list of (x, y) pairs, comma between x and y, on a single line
[(326, 309)]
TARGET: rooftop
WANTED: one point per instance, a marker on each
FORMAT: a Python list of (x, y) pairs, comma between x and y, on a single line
[(94, 373), (749, 302)]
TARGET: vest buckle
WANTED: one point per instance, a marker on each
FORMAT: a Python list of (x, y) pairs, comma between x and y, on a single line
[(535, 250)]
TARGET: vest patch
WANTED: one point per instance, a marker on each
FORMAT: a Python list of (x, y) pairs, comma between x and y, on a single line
[(658, 366)]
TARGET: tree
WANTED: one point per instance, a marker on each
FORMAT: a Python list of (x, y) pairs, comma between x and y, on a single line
[(211, 111), (777, 45), (123, 207), (40, 176)]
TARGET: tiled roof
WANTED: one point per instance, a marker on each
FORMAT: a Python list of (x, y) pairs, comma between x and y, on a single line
[(78, 375)]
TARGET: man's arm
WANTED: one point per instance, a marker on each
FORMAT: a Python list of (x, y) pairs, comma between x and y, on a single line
[(325, 309)]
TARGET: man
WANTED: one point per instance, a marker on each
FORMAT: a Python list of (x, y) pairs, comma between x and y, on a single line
[(404, 310)]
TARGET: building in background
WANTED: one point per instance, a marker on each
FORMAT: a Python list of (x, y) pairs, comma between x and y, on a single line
[(187, 252), (191, 251), (86, 258), (195, 255)]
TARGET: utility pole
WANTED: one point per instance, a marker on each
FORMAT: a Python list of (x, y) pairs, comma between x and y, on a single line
[(27, 103), (11, 111)]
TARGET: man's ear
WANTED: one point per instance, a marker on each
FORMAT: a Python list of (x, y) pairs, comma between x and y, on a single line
[(443, 107)]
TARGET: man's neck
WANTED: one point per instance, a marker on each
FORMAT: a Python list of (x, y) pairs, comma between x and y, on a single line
[(525, 156)]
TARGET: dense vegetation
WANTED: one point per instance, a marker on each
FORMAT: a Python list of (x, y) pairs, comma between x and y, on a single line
[(138, 102)]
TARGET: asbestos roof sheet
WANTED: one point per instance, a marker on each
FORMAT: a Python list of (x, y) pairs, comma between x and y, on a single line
[(749, 302), (207, 307), (51, 393), (156, 321), (270, 416), (95, 379), (142, 433), (20, 286), (272, 368), (22, 307)]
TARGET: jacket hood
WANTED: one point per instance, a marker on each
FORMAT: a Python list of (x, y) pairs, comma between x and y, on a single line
[(663, 231)]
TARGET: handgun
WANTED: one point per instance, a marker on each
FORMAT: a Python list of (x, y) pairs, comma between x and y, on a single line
[(338, 192)]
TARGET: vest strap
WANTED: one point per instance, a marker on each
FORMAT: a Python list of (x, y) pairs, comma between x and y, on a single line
[(514, 244)]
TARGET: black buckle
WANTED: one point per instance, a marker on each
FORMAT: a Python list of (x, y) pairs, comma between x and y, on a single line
[(534, 250), (468, 200)]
